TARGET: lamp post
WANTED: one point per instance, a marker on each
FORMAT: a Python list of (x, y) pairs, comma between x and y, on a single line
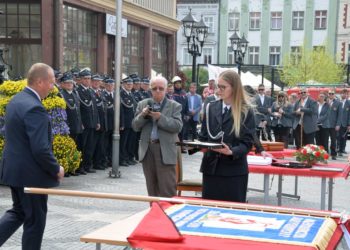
[(195, 33), (239, 47)]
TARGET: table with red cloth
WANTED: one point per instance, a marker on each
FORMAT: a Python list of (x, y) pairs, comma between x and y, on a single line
[(287, 152), (152, 229), (305, 172)]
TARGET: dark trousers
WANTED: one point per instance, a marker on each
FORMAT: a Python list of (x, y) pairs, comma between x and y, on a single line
[(342, 138), (190, 129), (109, 145), (281, 135), (307, 138), (225, 188), (99, 158), (88, 147), (322, 136), (136, 151), (132, 145), (29, 210), (333, 136), (125, 140)]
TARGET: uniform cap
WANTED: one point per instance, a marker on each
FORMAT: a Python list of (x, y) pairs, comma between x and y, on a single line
[(85, 73), (66, 77), (96, 77), (176, 79), (145, 80)]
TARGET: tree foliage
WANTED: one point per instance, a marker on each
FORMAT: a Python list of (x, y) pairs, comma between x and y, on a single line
[(316, 65)]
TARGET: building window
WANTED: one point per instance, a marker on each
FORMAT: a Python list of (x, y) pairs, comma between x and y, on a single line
[(209, 20), (207, 55), (254, 20), (320, 19), (233, 21), (133, 50), (319, 48), (186, 57), (159, 48), (295, 54), (298, 20), (20, 35), (276, 20), (253, 55), (275, 54), (80, 38)]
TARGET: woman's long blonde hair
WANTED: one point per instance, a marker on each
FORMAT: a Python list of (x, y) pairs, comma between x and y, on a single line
[(240, 104)]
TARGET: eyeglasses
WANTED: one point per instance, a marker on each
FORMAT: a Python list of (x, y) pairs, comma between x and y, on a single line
[(222, 87), (261, 89), (304, 92), (158, 88)]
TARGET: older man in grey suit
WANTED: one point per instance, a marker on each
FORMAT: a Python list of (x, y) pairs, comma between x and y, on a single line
[(159, 120), (305, 119)]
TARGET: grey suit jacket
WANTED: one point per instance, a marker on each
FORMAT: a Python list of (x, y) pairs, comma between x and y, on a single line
[(310, 116), (322, 119), (286, 119), (345, 117), (263, 114), (334, 114), (169, 125)]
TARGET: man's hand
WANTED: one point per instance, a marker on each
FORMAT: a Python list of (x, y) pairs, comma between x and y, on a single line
[(98, 126), (337, 128), (145, 111), (155, 115), (60, 174)]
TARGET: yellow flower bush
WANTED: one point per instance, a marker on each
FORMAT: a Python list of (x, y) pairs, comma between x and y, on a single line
[(54, 102), (65, 151), (11, 88), (2, 143), (4, 100)]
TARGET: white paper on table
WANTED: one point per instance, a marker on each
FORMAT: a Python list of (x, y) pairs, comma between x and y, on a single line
[(259, 160)]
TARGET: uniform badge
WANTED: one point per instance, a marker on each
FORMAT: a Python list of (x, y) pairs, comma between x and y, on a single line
[(86, 100)]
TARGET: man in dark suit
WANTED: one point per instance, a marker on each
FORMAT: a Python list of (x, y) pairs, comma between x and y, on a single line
[(90, 119), (28, 160), (334, 117), (262, 117), (345, 122), (305, 120)]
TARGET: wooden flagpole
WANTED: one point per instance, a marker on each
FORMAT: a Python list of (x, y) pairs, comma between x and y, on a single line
[(200, 202)]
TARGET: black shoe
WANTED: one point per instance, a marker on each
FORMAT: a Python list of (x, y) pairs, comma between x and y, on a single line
[(334, 158), (81, 171), (66, 175), (74, 174), (124, 164), (90, 171)]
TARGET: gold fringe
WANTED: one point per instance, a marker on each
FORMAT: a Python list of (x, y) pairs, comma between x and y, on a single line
[(325, 234)]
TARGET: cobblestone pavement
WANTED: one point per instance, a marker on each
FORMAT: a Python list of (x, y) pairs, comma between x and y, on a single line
[(71, 217)]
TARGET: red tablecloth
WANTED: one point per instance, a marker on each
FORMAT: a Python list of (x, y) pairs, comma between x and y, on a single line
[(304, 171), (287, 152)]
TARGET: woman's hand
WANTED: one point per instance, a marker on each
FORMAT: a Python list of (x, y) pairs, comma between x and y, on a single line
[(225, 150)]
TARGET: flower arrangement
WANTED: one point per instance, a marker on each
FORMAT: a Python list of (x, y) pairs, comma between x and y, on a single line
[(64, 147), (310, 154)]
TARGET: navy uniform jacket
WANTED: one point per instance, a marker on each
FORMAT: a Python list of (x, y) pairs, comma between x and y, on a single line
[(88, 108), (73, 112), (144, 94), (127, 109), (345, 117), (334, 114), (101, 109), (180, 96), (137, 95), (27, 157), (227, 165), (109, 99)]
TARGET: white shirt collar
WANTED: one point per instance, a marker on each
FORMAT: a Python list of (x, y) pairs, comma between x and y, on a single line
[(36, 93), (224, 106)]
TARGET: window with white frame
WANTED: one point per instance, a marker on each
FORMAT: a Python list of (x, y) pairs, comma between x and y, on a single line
[(207, 54), (275, 55), (209, 20), (276, 20), (254, 20), (320, 19), (254, 55), (295, 54), (233, 21), (186, 57), (298, 20)]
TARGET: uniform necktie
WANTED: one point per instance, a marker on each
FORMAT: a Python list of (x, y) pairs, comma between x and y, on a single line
[(226, 109)]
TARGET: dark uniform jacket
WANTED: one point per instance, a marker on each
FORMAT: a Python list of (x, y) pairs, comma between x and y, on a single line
[(109, 101), (286, 120), (88, 108), (127, 108), (222, 165), (101, 109), (73, 112), (334, 113), (345, 117), (180, 96)]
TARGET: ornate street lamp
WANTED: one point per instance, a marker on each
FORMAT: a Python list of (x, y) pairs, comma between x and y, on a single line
[(239, 47), (195, 33)]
